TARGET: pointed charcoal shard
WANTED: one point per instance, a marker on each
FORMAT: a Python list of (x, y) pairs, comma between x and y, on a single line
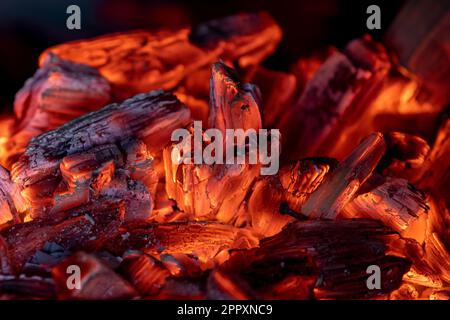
[(341, 186), (139, 61), (247, 38), (232, 105), (397, 203), (330, 256), (151, 117), (217, 190), (59, 92), (97, 282)]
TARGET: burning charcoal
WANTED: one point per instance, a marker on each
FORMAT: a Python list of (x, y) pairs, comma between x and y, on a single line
[(424, 52), (98, 281), (232, 105), (78, 172), (338, 92), (217, 191), (204, 240), (340, 187), (430, 264), (140, 61), (405, 155), (59, 92), (245, 38), (291, 186), (397, 203), (100, 174), (11, 200), (79, 232), (278, 90), (436, 169), (209, 191), (331, 256), (27, 287), (153, 278), (151, 117), (144, 272)]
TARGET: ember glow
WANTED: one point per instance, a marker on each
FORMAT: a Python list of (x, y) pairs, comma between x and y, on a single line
[(88, 179)]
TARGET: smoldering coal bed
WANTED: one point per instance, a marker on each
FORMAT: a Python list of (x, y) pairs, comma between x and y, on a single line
[(94, 186)]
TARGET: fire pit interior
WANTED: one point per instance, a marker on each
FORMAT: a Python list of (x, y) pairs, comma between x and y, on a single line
[(358, 207)]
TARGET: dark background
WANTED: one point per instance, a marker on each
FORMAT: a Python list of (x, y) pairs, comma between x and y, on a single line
[(27, 27)]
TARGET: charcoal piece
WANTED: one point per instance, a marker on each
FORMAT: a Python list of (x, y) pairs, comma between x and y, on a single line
[(216, 191), (336, 96), (397, 203), (329, 258), (291, 187), (232, 105), (98, 281), (145, 273), (59, 92), (341, 186), (247, 38), (150, 116), (139, 61), (435, 177), (206, 241), (89, 231)]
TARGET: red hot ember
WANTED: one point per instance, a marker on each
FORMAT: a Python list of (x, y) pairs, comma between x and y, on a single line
[(87, 178)]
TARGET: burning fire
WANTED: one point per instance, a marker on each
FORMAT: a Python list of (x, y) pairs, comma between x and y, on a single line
[(87, 177)]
